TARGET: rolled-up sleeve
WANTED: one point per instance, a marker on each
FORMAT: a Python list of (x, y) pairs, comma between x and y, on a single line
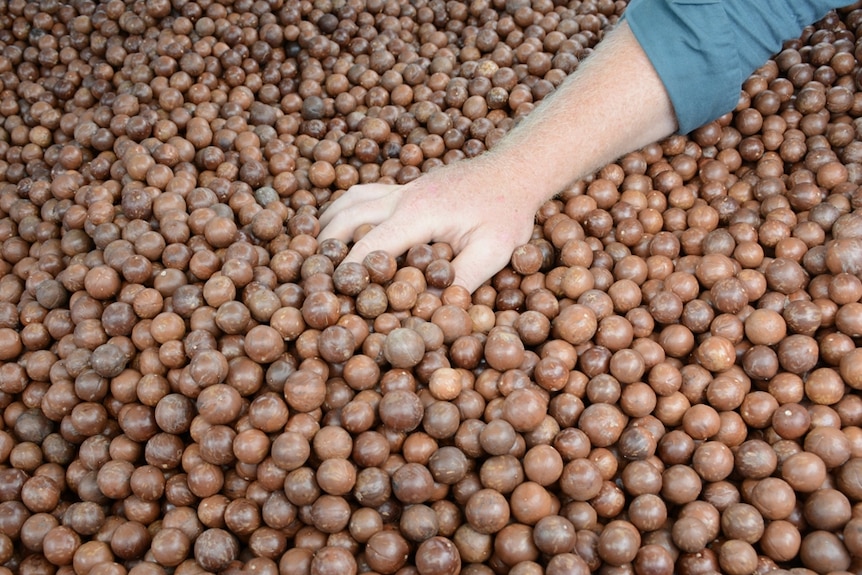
[(703, 50)]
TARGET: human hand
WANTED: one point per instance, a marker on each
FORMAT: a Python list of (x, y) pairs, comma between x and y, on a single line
[(484, 207), (479, 212)]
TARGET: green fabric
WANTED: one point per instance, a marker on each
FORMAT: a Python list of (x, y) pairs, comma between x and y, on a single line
[(703, 50)]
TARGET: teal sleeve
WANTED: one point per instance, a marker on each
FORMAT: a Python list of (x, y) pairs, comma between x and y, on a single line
[(703, 50)]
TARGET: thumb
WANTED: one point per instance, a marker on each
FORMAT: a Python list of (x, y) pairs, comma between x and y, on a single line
[(477, 263)]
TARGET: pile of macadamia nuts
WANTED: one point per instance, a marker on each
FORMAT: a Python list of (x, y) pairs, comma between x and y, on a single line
[(665, 379)]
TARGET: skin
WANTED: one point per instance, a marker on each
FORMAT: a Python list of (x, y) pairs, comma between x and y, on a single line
[(485, 207)]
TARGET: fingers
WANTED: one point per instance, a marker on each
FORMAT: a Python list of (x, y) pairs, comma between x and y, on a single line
[(394, 236), (356, 195), (404, 216), (477, 263), (368, 204)]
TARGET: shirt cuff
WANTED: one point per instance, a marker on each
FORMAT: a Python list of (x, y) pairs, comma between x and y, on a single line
[(703, 50)]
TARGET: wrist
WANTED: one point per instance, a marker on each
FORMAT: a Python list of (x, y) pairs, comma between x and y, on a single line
[(520, 179)]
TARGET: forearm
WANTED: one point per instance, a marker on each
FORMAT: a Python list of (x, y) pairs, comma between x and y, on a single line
[(613, 104), (627, 95)]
